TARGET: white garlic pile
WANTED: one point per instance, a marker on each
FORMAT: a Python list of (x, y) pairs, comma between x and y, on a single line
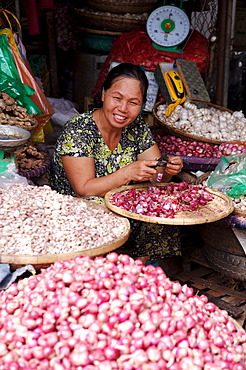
[(36, 220), (240, 203), (210, 123)]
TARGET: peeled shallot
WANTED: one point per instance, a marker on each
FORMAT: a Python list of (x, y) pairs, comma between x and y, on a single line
[(162, 201)]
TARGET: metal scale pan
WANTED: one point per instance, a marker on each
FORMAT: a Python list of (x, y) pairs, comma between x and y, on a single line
[(12, 137)]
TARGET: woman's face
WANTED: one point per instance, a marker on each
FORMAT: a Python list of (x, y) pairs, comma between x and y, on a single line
[(122, 102)]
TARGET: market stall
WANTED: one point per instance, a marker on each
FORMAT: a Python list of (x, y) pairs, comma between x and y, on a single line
[(88, 307)]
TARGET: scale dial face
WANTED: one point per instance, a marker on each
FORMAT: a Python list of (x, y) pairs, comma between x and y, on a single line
[(168, 26)]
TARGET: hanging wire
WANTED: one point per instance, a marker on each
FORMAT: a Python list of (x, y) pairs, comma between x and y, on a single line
[(9, 6)]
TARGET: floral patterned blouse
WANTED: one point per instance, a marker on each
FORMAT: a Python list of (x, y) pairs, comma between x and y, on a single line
[(80, 137)]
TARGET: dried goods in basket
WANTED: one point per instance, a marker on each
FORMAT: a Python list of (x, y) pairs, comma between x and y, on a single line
[(31, 160), (123, 6), (112, 22), (215, 209), (12, 114), (213, 124)]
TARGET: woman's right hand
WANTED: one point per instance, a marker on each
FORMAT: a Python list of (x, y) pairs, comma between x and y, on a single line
[(141, 170)]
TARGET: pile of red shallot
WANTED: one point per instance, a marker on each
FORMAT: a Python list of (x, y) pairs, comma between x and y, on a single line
[(174, 145), (163, 201), (113, 313)]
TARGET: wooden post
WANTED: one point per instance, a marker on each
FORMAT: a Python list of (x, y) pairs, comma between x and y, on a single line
[(52, 54)]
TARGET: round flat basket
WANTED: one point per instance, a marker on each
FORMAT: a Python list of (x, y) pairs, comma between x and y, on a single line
[(219, 207), (106, 22), (182, 134), (37, 172), (239, 212), (117, 6), (45, 260)]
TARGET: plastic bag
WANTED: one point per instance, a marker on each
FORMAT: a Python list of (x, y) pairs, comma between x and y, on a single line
[(11, 176), (38, 97), (10, 81), (229, 176)]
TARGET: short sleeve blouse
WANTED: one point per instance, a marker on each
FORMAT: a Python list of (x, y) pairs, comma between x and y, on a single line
[(80, 137)]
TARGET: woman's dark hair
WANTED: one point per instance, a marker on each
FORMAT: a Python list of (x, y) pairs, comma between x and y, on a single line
[(124, 70)]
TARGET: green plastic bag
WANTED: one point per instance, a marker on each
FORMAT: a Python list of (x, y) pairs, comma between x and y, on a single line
[(10, 81), (229, 176)]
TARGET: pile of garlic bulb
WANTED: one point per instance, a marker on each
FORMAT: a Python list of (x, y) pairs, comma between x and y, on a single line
[(240, 203), (210, 123)]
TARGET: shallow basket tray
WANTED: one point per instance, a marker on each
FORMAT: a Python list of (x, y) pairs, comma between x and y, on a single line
[(117, 6), (216, 209), (182, 134), (239, 212), (106, 22), (45, 260)]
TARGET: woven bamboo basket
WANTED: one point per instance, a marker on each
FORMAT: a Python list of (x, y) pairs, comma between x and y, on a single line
[(218, 208), (37, 172), (117, 6), (182, 134), (239, 212), (45, 260), (106, 22)]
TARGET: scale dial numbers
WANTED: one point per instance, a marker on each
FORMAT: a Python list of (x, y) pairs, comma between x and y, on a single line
[(168, 26)]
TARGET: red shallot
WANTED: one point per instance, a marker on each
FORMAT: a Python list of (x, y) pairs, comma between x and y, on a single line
[(116, 327), (163, 201), (175, 145)]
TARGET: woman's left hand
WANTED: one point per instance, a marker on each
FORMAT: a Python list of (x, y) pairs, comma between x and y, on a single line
[(174, 165)]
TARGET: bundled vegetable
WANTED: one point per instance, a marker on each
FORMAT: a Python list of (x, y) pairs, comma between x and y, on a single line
[(113, 313), (163, 201)]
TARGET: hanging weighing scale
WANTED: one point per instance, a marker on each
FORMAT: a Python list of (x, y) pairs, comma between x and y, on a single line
[(10, 138), (168, 26)]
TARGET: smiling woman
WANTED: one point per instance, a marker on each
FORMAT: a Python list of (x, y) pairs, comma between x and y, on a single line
[(111, 145)]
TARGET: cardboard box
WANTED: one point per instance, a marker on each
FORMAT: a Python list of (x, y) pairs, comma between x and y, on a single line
[(194, 86)]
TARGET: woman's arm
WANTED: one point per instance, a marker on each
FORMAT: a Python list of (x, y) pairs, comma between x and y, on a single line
[(80, 172)]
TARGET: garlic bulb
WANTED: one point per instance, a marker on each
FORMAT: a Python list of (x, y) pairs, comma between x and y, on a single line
[(211, 123)]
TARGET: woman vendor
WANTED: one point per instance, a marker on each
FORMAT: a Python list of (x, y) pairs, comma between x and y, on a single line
[(111, 146)]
